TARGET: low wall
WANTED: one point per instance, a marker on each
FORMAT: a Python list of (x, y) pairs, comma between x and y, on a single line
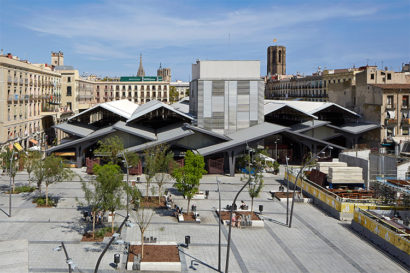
[(382, 235), (340, 208)]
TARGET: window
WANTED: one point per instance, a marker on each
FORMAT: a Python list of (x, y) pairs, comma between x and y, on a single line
[(69, 105), (388, 76), (389, 101), (68, 79), (405, 131), (68, 91), (372, 76), (405, 102)]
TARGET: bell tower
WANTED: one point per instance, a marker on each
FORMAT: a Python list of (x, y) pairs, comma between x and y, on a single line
[(276, 63)]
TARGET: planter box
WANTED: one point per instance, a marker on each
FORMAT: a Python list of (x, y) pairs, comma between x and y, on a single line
[(157, 266)]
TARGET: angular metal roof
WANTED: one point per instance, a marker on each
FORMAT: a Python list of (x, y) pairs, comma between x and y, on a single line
[(96, 134), (270, 107), (310, 107), (151, 106), (164, 135), (243, 136), (123, 108), (136, 130), (205, 131), (76, 129), (355, 128), (307, 125), (315, 139), (182, 105)]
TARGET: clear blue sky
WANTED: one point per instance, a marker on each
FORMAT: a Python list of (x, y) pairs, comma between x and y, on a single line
[(106, 37)]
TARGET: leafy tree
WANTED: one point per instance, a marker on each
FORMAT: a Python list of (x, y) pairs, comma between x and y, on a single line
[(39, 173), (144, 217), (187, 92), (93, 198), (188, 176), (110, 147), (110, 178), (11, 169), (254, 167), (173, 94), (150, 168), (32, 158), (55, 171), (164, 163)]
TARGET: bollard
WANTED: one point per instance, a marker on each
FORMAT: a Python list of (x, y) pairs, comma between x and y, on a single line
[(116, 259), (260, 208), (187, 240)]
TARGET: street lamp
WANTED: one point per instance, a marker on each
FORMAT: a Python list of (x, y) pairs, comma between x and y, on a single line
[(11, 177), (250, 182), (296, 180), (287, 190), (219, 226), (113, 237), (69, 261), (126, 164)]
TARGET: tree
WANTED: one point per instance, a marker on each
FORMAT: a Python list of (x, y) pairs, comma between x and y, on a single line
[(32, 158), (173, 94), (93, 197), (254, 168), (110, 178), (39, 173), (150, 168), (143, 220), (110, 147), (188, 177), (55, 171), (164, 163), (10, 165)]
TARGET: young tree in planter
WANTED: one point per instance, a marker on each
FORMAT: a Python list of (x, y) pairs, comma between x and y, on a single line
[(55, 171), (164, 163), (188, 177), (93, 198), (110, 178), (39, 173), (11, 167), (144, 217), (254, 168), (150, 168), (110, 147), (32, 158)]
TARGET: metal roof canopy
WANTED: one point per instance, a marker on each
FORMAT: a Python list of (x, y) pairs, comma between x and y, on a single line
[(243, 137)]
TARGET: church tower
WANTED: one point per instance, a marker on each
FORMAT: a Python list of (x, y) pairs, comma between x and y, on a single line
[(276, 60), (141, 72)]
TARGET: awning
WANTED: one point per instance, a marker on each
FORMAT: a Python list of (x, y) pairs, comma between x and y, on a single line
[(392, 114), (35, 142), (65, 154), (18, 147)]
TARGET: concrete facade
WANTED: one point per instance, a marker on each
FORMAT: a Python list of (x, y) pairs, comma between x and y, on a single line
[(28, 93), (181, 87), (226, 95)]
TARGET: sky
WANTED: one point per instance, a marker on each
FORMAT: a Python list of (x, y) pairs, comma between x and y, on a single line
[(106, 37)]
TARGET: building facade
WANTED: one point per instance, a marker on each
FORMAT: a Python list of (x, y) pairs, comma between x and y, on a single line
[(182, 88), (30, 95), (226, 96), (309, 88)]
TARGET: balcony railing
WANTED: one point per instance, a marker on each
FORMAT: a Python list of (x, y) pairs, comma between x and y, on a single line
[(390, 106), (405, 121), (390, 122)]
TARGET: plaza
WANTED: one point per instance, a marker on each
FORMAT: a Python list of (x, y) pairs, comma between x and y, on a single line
[(315, 243)]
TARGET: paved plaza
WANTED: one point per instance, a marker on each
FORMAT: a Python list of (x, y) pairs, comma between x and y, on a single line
[(315, 243)]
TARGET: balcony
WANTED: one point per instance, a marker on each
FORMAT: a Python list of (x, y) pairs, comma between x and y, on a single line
[(10, 99), (9, 79), (389, 106), (405, 122), (390, 122), (404, 107)]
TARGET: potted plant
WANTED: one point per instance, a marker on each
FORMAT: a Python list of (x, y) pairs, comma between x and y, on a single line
[(275, 167)]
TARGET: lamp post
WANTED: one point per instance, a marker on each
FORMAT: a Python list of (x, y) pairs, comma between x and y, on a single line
[(219, 227), (126, 164), (230, 223), (297, 176), (11, 177), (287, 191), (68, 260), (114, 236)]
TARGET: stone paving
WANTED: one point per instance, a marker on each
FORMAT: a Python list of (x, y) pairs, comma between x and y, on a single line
[(315, 243)]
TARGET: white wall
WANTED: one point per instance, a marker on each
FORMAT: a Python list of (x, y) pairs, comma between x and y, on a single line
[(226, 70)]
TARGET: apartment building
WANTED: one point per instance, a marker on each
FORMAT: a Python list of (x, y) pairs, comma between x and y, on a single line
[(29, 101), (136, 89), (182, 88), (308, 88)]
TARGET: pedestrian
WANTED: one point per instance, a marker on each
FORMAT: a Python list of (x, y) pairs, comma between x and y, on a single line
[(234, 219), (238, 221)]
